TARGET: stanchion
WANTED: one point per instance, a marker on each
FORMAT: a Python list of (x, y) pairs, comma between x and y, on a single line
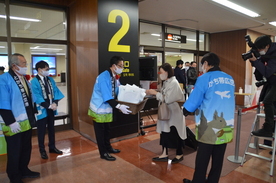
[(236, 158)]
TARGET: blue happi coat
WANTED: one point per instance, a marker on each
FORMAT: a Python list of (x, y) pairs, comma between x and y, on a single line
[(214, 103), (99, 109), (37, 90), (11, 99)]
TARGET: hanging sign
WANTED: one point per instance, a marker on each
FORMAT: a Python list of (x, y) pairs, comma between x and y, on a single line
[(175, 38)]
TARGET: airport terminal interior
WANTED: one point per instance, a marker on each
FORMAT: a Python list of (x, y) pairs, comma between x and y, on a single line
[(59, 32)]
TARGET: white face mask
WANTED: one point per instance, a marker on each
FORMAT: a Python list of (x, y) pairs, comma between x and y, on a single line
[(22, 70), (203, 69), (44, 73), (262, 52), (118, 70), (163, 76)]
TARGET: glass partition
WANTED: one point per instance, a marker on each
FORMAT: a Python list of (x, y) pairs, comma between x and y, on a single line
[(27, 22), (190, 39), (3, 29), (150, 34)]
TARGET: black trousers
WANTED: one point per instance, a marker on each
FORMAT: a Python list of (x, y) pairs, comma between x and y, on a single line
[(269, 108), (42, 124), (204, 153), (19, 148), (102, 131)]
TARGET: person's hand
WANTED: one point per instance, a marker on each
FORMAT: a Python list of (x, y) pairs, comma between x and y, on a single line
[(53, 106), (123, 108), (15, 127), (253, 58), (185, 112), (151, 92)]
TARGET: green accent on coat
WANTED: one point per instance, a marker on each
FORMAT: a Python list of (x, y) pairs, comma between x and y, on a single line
[(24, 125), (100, 118)]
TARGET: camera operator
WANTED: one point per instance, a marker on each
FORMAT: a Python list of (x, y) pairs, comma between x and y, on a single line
[(265, 73)]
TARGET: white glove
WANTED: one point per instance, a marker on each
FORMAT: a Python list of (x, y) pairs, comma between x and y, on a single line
[(123, 108), (53, 106), (15, 127)]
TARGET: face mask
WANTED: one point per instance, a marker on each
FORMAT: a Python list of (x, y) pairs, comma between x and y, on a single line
[(22, 70), (262, 52), (203, 69), (44, 73), (163, 76), (118, 70)]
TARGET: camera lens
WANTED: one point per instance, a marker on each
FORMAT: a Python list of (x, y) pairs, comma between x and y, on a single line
[(247, 55)]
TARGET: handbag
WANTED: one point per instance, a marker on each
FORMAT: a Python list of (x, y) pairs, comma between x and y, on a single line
[(163, 111), (191, 139)]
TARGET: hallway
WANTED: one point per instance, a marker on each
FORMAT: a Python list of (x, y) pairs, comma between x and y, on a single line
[(80, 162)]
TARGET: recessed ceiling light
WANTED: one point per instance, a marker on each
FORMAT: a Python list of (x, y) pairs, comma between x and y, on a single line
[(237, 8), (273, 23), (21, 18), (158, 35)]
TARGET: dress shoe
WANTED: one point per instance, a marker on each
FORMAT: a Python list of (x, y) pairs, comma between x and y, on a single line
[(55, 150), (44, 155), (114, 150), (31, 174), (175, 160), (165, 159), (16, 180), (262, 133), (108, 157), (187, 181)]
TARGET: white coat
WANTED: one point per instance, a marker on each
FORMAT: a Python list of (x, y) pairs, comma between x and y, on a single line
[(172, 93)]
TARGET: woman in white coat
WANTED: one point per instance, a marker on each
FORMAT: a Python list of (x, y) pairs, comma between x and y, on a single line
[(173, 131)]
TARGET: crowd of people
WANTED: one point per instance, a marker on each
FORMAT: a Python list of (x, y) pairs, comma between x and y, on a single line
[(24, 105)]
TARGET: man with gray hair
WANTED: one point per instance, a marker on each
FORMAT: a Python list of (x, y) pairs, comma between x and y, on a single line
[(17, 110)]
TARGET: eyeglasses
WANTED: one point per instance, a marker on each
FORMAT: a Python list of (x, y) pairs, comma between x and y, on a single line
[(121, 66), (22, 65)]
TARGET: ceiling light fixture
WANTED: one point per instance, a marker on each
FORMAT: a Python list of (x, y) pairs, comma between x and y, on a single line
[(237, 8), (21, 18), (273, 23), (158, 35), (36, 48), (2, 47), (194, 40)]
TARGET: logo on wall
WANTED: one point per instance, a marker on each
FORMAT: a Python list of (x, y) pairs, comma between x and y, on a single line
[(175, 38)]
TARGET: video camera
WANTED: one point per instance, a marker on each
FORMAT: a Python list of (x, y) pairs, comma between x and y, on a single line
[(253, 49)]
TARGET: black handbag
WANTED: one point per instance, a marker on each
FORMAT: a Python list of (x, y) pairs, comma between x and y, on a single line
[(191, 141)]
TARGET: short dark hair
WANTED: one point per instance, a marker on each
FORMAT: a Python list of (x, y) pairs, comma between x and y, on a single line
[(115, 60), (262, 41), (211, 58), (2, 68), (193, 62), (41, 64), (168, 68), (179, 62), (187, 62)]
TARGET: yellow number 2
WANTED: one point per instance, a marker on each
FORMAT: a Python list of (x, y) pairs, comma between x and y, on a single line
[(113, 44)]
